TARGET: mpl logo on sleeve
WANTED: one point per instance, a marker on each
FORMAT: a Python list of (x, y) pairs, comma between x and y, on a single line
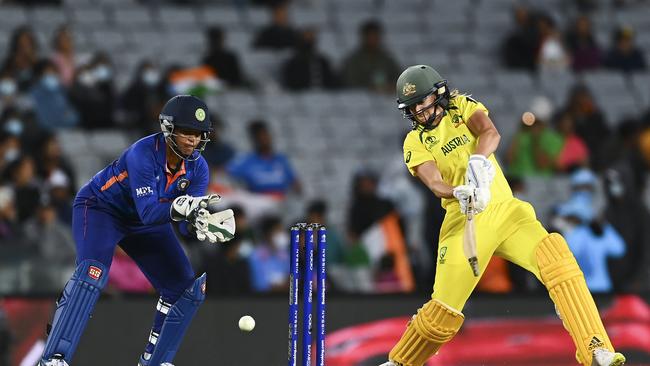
[(143, 191), (94, 272)]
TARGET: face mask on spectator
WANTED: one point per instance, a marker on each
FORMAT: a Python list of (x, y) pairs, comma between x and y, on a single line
[(103, 73), (150, 77), (11, 154), (280, 240), (7, 87), (86, 78), (14, 126), (50, 81)]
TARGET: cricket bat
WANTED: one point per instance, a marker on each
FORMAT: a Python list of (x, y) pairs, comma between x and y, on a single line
[(469, 238)]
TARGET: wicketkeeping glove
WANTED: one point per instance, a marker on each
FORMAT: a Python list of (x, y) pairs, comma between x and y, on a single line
[(195, 211), (221, 225), (186, 207)]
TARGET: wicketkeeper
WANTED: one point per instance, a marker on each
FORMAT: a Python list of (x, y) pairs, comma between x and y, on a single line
[(451, 149), (131, 203)]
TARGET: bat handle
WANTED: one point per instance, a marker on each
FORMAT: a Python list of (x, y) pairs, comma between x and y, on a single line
[(473, 262)]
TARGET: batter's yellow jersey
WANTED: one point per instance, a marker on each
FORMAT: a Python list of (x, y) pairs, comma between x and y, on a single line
[(449, 145)]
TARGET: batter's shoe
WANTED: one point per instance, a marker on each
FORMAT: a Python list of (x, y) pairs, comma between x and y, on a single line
[(604, 357)]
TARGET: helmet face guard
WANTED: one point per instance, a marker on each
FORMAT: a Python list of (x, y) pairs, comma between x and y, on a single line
[(170, 137), (442, 94)]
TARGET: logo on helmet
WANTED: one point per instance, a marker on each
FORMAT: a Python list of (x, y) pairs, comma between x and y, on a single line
[(200, 114), (408, 89)]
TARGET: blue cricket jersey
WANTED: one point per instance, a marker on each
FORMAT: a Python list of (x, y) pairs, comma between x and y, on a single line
[(139, 188)]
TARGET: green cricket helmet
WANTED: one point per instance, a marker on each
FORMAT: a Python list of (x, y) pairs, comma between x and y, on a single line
[(414, 85)]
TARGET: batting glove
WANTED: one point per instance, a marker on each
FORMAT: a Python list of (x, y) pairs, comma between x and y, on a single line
[(480, 197), (480, 171)]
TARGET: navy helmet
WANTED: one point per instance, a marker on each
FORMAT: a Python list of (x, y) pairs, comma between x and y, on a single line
[(188, 112)]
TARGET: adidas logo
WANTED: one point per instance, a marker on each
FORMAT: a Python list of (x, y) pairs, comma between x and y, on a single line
[(595, 343)]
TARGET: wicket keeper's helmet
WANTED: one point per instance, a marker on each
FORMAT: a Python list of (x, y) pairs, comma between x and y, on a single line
[(188, 112), (414, 85)]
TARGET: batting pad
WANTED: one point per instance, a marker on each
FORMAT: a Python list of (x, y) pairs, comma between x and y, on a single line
[(567, 287), (434, 325)]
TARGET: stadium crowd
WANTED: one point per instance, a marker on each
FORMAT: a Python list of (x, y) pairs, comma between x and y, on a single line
[(45, 90)]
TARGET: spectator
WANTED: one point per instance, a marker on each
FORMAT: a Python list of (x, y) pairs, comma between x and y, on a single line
[(269, 262), (58, 189), (624, 55), (552, 55), (64, 56), (367, 206), (385, 278), (51, 105), (279, 35), (519, 47), (370, 66), (535, 147), (93, 95), (229, 265), (574, 152), (50, 237), (317, 213), (22, 57), (624, 184), (10, 147), (218, 153), (12, 123), (585, 53), (223, 61), (589, 125), (22, 173), (144, 97), (264, 170), (8, 90), (9, 228), (591, 239), (307, 67), (51, 160)]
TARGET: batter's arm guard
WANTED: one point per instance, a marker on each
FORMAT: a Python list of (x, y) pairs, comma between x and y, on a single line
[(435, 324), (178, 319), (566, 285), (73, 309)]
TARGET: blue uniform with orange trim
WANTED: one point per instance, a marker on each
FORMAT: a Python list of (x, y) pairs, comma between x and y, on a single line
[(128, 203)]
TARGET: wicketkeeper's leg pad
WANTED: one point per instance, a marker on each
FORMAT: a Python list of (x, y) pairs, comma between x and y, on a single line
[(566, 285), (434, 325), (74, 307), (178, 319)]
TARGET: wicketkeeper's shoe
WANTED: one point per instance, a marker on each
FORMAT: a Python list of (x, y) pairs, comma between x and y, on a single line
[(604, 357), (53, 362), (142, 362)]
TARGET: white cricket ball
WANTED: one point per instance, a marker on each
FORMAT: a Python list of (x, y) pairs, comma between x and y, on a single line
[(246, 323)]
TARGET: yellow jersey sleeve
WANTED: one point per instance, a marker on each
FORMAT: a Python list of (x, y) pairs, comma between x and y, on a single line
[(467, 106), (415, 152)]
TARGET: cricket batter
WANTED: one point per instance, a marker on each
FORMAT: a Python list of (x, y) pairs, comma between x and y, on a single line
[(451, 149), (131, 203)]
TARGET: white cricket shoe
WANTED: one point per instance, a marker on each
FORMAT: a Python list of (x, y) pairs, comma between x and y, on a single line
[(53, 362), (605, 357), (390, 363)]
